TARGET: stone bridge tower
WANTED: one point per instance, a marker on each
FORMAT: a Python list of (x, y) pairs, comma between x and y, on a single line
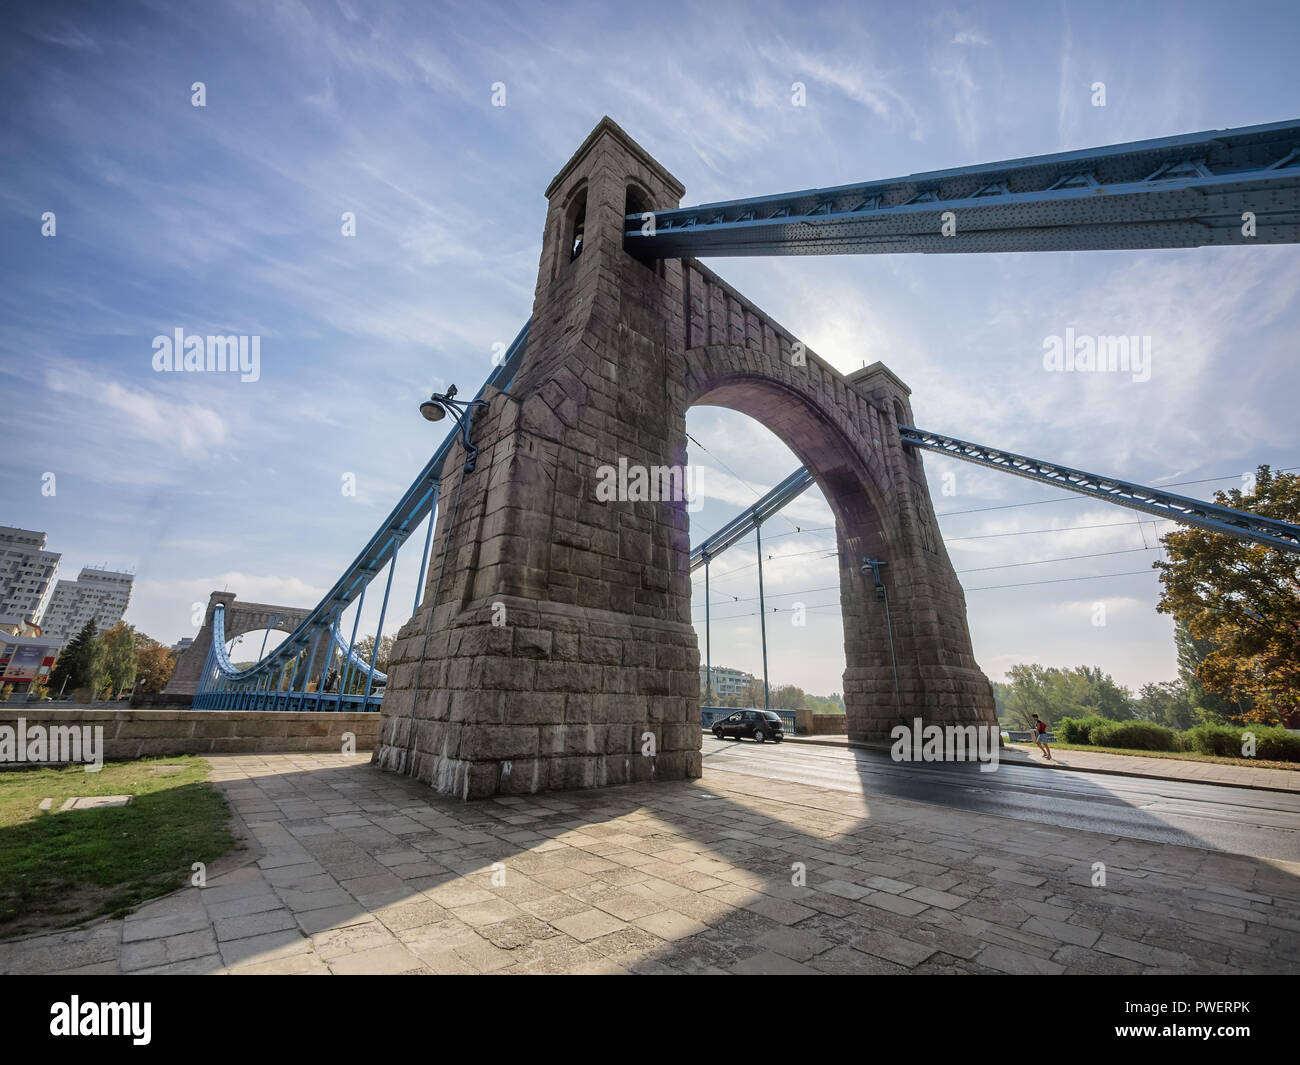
[(240, 618), (553, 647)]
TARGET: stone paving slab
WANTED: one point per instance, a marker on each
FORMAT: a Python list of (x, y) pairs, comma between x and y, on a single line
[(728, 875), (91, 802)]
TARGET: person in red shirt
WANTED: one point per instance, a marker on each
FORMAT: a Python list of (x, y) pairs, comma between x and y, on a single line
[(1040, 736)]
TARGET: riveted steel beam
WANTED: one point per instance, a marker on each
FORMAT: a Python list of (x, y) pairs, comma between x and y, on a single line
[(1221, 187)]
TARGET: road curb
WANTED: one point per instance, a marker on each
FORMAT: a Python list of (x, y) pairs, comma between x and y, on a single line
[(1027, 761), (1161, 776)]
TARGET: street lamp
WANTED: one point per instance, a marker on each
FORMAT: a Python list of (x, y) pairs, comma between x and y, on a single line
[(874, 565), (439, 405)]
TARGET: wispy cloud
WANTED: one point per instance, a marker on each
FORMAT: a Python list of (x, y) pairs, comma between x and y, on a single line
[(191, 430)]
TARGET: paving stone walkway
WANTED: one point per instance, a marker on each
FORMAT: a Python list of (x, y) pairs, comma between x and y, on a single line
[(1133, 765), (353, 870)]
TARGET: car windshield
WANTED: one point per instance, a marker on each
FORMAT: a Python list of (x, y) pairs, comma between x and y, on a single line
[(772, 716)]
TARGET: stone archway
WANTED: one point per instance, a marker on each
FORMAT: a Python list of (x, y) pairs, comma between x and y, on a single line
[(880, 500), (240, 618), (554, 648)]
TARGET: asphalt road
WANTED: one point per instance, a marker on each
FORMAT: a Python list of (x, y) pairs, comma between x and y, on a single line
[(1262, 824)]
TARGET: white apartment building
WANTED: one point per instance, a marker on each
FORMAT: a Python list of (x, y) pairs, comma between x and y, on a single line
[(725, 681), (26, 573), (98, 594)]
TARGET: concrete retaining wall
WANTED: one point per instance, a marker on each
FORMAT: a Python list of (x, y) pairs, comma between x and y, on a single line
[(148, 733)]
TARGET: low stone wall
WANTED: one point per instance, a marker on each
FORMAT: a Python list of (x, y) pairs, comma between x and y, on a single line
[(149, 733), (809, 724), (160, 701)]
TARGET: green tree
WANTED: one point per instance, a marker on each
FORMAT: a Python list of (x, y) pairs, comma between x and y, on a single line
[(825, 704), (787, 697), (1210, 708), (1000, 693), (1042, 690), (75, 666), (1104, 697), (1166, 703), (386, 645), (154, 663), (1054, 693), (1243, 599), (117, 663)]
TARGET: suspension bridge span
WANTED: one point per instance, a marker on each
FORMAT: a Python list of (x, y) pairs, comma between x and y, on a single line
[(550, 632)]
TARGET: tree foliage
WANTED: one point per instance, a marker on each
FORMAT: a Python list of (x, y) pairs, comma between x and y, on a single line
[(1210, 708), (1168, 704), (780, 697), (386, 645), (825, 704), (1241, 601), (109, 663), (154, 663), (1053, 693), (75, 666), (116, 667)]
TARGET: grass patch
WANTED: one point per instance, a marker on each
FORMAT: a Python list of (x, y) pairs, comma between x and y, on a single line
[(60, 869), (1181, 756)]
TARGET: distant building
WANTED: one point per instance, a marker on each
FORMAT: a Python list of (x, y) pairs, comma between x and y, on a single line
[(97, 594), (13, 625), (26, 573), (726, 681), (182, 644)]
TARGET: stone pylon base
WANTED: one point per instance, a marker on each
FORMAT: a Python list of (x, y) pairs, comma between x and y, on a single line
[(560, 697), (946, 695)]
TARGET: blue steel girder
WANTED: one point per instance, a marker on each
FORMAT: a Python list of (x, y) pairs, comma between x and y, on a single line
[(1240, 524), (221, 658), (1175, 192), (352, 659), (751, 518), (1187, 511), (413, 508), (226, 687)]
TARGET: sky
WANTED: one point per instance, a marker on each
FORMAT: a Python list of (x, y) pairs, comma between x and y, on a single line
[(227, 219)]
